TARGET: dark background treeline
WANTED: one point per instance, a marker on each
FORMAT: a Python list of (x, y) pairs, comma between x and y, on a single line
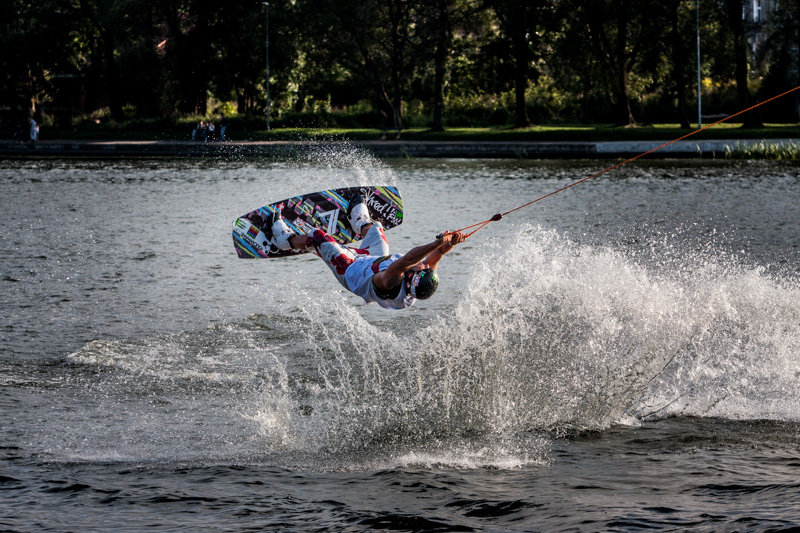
[(397, 63)]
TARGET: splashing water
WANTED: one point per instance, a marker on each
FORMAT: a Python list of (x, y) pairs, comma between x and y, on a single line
[(594, 336), (548, 335), (545, 335)]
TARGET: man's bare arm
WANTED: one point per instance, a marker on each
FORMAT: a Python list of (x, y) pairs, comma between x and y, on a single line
[(432, 260), (386, 279)]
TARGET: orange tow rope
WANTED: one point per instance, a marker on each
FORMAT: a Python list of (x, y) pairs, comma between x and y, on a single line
[(498, 216)]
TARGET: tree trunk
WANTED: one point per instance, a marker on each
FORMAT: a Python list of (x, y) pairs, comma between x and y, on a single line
[(384, 103), (521, 81), (390, 106), (679, 59), (241, 102), (622, 106), (735, 7), (514, 21), (115, 98), (612, 53), (440, 59), (396, 16)]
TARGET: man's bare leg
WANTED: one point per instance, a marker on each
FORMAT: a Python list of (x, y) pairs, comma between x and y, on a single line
[(299, 242)]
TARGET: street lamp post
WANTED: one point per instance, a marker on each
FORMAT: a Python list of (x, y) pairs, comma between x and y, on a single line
[(266, 30)]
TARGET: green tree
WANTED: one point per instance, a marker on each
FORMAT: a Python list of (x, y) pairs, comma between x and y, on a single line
[(102, 16), (385, 36), (521, 22), (437, 21), (610, 42), (37, 41), (187, 51), (140, 39), (782, 61), (237, 50), (323, 62), (622, 41)]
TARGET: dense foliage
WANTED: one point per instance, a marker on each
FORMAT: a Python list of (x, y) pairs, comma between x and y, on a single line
[(393, 63)]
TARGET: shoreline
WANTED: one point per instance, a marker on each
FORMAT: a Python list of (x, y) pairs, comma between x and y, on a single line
[(382, 149)]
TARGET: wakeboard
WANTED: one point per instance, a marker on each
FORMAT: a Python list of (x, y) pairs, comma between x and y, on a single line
[(325, 210)]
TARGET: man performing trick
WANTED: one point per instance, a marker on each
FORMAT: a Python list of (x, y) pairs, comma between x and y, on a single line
[(391, 281)]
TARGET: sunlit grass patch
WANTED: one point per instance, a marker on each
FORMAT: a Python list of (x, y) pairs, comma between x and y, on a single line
[(765, 150)]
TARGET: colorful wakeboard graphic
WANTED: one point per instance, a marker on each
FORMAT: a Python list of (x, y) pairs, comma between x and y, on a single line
[(325, 210)]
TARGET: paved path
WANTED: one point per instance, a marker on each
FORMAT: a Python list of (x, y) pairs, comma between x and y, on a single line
[(388, 149)]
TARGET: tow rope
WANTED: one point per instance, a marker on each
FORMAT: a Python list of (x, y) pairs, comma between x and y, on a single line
[(498, 216)]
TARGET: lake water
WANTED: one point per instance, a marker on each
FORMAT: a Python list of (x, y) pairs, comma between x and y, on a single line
[(623, 355)]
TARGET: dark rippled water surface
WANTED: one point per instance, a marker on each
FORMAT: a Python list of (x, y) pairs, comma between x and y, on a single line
[(622, 356)]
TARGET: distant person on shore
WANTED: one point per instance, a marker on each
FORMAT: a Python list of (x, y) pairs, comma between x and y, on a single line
[(210, 131), (223, 125), (199, 133), (34, 130), (19, 133)]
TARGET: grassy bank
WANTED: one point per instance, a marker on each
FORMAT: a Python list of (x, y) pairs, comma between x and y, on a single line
[(247, 131)]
